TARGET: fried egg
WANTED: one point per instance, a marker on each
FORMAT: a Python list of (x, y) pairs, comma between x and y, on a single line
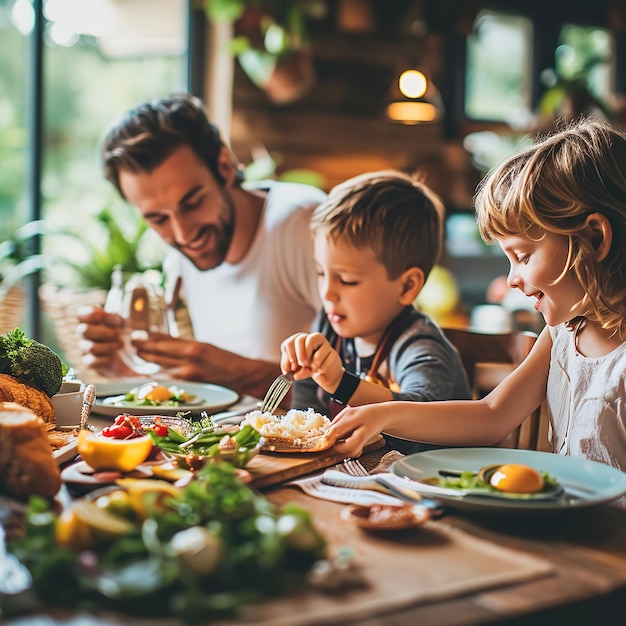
[(516, 478)]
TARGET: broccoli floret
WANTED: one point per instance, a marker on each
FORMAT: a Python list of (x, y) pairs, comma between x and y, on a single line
[(31, 361)]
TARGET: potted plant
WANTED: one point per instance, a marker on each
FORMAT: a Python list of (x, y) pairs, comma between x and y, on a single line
[(271, 44), (569, 96), (106, 246), (79, 266), (16, 262)]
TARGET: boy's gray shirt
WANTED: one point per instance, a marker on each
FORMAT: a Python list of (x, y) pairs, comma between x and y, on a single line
[(422, 361)]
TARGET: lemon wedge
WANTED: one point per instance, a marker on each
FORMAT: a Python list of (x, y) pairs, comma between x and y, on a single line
[(71, 532), (168, 472), (106, 453), (100, 523), (146, 494)]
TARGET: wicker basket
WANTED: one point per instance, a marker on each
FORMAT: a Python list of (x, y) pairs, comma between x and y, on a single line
[(12, 309), (61, 304)]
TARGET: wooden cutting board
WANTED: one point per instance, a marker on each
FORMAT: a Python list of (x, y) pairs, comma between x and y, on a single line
[(272, 468)]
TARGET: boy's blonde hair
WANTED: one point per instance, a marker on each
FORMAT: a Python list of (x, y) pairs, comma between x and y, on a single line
[(556, 184), (394, 214)]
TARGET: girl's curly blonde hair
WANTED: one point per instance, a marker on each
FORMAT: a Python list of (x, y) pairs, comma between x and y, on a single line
[(556, 184)]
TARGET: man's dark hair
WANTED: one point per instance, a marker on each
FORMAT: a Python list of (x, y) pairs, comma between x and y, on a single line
[(148, 134)]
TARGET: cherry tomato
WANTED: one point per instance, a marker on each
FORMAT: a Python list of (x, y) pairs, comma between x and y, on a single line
[(133, 420), (160, 430), (123, 432), (108, 431), (117, 432)]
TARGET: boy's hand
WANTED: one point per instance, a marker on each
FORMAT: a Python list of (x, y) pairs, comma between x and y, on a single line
[(311, 356)]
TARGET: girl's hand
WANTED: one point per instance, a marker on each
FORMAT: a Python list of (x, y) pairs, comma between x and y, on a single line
[(353, 427), (311, 356)]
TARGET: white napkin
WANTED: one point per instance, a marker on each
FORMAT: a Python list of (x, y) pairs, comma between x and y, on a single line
[(313, 486)]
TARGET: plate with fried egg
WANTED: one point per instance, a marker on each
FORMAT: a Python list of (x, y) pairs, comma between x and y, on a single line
[(512, 479), (163, 397)]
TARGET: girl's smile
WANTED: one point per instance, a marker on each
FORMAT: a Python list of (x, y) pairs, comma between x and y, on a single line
[(538, 268)]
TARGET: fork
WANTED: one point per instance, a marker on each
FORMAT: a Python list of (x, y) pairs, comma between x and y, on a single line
[(354, 467), (313, 486), (277, 391)]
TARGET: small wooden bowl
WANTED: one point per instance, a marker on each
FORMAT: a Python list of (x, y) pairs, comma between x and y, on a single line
[(386, 516)]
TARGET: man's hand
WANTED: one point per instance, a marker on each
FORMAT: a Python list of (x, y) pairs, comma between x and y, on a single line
[(187, 359), (182, 359), (101, 340)]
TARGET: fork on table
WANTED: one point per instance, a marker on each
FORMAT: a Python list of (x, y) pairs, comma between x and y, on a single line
[(277, 391), (354, 467)]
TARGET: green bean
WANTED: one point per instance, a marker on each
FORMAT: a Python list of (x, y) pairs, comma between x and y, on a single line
[(175, 436)]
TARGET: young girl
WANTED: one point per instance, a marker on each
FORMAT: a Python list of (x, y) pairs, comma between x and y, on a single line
[(558, 210)]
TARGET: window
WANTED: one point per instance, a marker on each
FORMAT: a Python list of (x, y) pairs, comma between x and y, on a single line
[(100, 58), (498, 86), (13, 51), (498, 69)]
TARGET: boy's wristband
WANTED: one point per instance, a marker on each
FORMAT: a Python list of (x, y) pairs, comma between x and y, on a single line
[(347, 387)]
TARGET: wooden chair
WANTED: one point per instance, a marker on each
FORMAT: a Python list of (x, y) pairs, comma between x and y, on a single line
[(488, 359)]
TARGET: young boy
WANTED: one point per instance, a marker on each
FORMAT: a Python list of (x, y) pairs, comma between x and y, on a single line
[(376, 239)]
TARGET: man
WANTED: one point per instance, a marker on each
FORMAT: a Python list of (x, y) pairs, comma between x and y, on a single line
[(244, 254)]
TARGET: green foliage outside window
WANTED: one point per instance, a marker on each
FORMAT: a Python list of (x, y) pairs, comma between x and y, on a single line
[(84, 91)]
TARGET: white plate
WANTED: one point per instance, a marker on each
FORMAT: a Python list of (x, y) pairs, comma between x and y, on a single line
[(586, 483), (66, 452), (214, 398)]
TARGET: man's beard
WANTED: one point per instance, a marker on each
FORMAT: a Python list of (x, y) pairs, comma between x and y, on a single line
[(225, 238), (223, 233)]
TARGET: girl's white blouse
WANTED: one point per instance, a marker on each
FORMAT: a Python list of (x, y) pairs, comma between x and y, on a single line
[(586, 400)]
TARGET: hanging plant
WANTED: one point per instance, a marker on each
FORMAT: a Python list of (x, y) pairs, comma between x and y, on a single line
[(271, 43), (570, 96)]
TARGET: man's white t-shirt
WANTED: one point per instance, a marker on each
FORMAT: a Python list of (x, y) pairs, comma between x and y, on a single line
[(251, 307)]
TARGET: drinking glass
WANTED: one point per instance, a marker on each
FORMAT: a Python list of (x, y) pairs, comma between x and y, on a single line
[(141, 303)]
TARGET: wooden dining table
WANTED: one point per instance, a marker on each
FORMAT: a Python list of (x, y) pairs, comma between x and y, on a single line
[(584, 550), (461, 567)]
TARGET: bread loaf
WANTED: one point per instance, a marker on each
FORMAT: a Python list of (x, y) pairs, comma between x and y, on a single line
[(27, 466), (27, 395)]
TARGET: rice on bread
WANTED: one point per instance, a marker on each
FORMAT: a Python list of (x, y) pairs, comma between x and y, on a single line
[(27, 466), (29, 396)]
